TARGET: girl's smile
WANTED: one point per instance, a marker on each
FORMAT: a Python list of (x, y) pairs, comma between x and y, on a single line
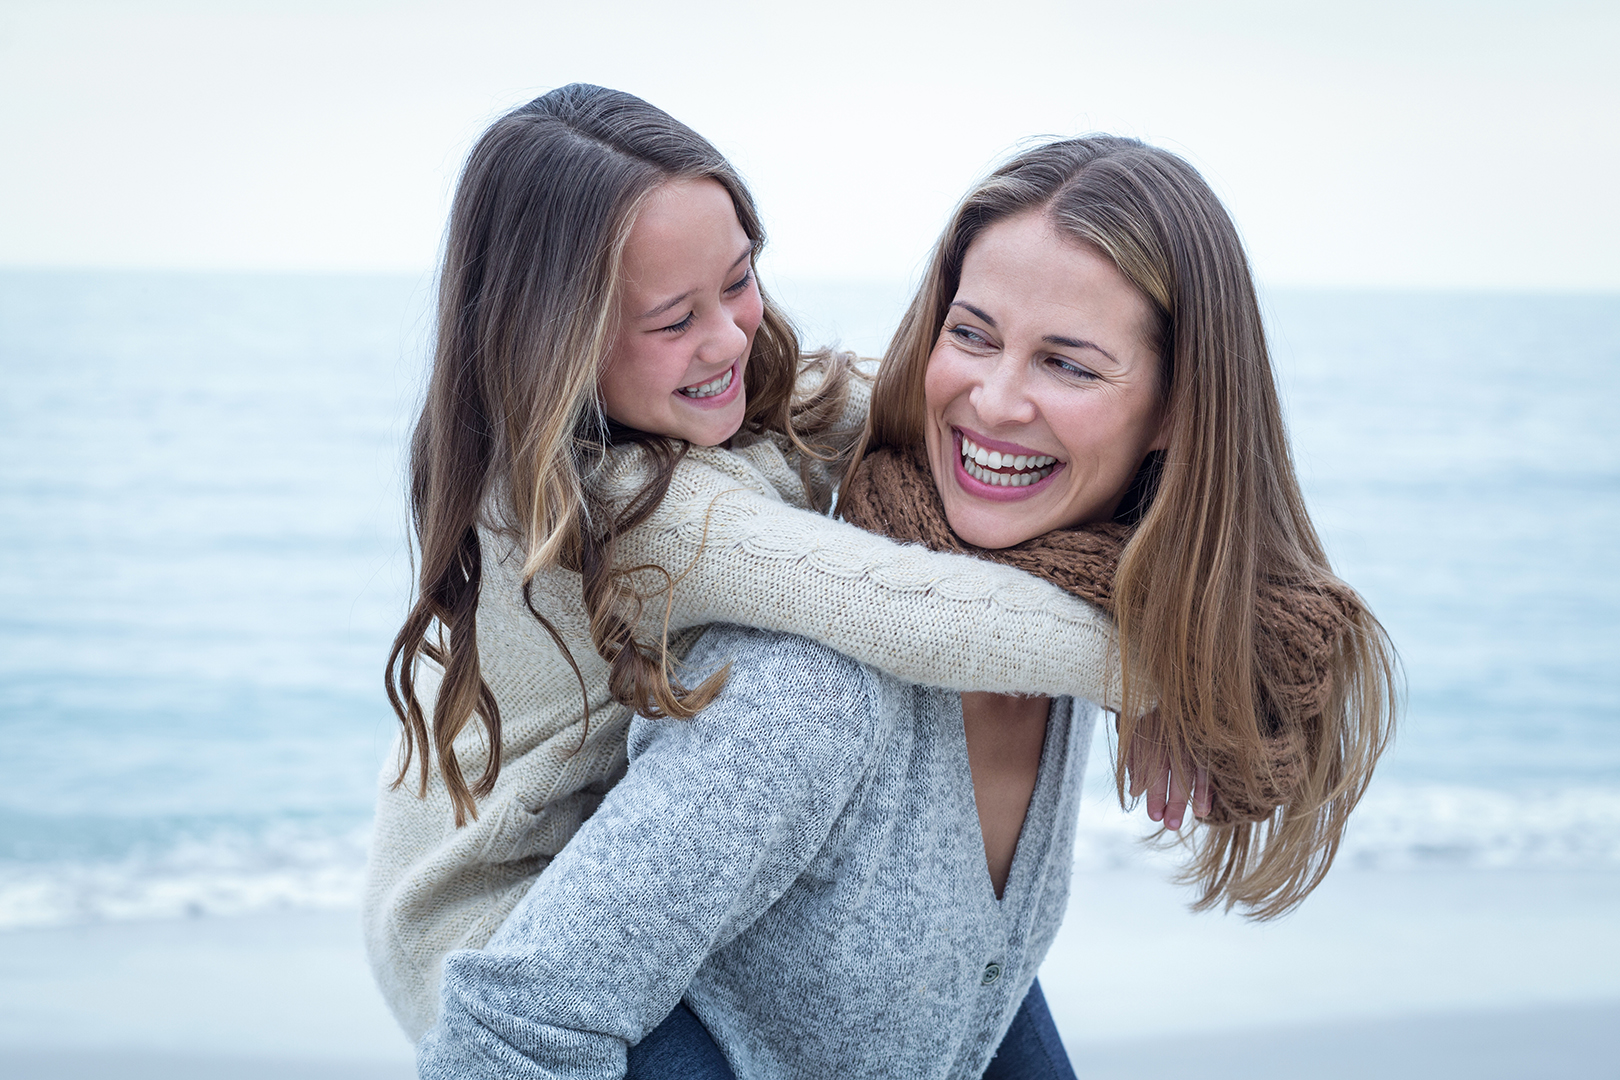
[(688, 311)]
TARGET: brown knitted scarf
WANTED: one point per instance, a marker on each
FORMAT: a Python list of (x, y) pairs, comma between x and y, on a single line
[(1296, 631)]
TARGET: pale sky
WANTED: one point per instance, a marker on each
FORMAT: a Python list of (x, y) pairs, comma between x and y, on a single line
[(1425, 143)]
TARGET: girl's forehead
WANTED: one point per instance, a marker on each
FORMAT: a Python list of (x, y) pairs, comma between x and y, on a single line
[(686, 234)]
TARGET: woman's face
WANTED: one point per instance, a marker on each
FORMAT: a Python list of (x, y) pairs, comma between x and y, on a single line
[(687, 316), (1042, 391)]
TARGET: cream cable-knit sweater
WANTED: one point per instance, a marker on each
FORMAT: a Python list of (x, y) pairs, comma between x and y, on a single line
[(767, 560)]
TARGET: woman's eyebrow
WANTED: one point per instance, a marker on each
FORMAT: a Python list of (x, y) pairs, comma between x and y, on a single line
[(1049, 339), (1077, 343), (977, 312), (667, 304)]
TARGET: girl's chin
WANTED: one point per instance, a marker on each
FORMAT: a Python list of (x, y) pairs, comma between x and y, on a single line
[(713, 428)]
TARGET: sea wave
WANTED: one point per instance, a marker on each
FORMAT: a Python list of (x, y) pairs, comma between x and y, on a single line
[(1405, 826), (311, 866), (283, 868)]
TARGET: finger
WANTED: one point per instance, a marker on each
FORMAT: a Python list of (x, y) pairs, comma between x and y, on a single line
[(1203, 798), (1140, 757), (1158, 786), (1137, 773), (1135, 780), (1176, 806)]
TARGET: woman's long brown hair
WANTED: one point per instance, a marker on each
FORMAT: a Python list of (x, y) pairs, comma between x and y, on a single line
[(1221, 516), (511, 429)]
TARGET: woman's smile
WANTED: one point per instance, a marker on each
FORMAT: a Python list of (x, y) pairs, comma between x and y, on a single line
[(1042, 392), (1002, 470)]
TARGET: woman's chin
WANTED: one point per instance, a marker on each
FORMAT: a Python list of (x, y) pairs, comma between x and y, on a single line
[(991, 526), (994, 519)]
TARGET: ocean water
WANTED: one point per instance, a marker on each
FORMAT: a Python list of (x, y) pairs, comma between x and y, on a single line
[(203, 560)]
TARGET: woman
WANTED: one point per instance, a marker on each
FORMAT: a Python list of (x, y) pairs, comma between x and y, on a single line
[(801, 861)]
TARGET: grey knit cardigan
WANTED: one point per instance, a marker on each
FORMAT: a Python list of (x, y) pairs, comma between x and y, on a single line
[(803, 863)]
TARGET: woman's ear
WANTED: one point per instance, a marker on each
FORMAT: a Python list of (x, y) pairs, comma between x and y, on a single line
[(1161, 437)]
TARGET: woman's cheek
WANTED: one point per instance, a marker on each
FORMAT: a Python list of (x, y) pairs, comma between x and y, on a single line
[(941, 381)]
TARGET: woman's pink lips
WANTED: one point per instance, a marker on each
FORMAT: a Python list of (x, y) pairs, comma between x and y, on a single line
[(995, 444), (724, 397), (995, 492)]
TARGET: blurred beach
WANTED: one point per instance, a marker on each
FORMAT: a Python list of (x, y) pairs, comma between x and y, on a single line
[(203, 542)]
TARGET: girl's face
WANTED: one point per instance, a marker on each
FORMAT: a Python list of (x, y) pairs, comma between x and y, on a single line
[(687, 317), (1042, 391)]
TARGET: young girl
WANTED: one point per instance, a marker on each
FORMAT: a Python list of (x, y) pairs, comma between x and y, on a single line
[(618, 447)]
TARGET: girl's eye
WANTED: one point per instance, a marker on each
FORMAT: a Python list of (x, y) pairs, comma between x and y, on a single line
[(675, 328), (741, 283)]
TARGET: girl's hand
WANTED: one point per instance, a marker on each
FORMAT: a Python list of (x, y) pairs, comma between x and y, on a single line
[(1148, 768)]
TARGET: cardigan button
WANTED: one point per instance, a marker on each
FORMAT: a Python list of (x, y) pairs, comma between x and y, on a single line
[(992, 972)]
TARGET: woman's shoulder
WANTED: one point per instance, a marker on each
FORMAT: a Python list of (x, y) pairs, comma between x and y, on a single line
[(777, 660), (788, 688)]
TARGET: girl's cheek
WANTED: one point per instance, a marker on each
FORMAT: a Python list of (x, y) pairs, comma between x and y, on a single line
[(753, 312)]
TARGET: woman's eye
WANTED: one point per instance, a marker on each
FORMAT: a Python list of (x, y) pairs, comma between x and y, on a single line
[(740, 284), (1071, 369), (966, 335), (675, 328)]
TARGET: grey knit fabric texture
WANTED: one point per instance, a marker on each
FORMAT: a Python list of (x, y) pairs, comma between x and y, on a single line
[(803, 863)]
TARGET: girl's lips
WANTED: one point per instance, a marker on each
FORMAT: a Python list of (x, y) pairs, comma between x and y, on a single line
[(995, 492), (724, 397)]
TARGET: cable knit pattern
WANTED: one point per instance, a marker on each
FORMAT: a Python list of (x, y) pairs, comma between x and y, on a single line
[(738, 533)]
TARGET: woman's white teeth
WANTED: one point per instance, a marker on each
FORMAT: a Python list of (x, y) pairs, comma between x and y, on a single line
[(981, 463), (709, 389)]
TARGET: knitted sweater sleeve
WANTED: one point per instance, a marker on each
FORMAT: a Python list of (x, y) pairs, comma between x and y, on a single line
[(740, 554), (715, 819)]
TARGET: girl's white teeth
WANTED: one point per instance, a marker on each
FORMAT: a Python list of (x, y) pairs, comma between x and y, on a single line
[(981, 463), (709, 389)]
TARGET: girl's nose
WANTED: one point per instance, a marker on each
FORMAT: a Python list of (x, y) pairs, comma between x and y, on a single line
[(1002, 396), (723, 340)]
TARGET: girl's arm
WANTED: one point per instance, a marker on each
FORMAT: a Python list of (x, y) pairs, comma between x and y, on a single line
[(740, 554), (716, 817)]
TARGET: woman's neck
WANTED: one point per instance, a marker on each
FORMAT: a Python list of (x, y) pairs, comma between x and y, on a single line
[(1004, 739)]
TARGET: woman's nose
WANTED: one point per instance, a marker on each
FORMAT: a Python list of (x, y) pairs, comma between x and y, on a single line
[(1002, 396)]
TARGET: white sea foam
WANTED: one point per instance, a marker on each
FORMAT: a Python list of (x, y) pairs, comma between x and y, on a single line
[(304, 868), (288, 868), (1403, 826)]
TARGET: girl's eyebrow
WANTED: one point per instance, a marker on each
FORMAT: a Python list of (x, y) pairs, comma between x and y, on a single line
[(667, 304), (1049, 339)]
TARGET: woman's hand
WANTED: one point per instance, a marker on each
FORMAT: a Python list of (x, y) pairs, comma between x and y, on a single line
[(1148, 769)]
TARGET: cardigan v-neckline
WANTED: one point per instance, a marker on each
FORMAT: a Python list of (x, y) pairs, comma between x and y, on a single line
[(1048, 777)]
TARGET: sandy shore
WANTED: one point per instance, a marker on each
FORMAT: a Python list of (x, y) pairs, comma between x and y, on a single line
[(1473, 974), (1419, 974), (267, 995), (1527, 1044)]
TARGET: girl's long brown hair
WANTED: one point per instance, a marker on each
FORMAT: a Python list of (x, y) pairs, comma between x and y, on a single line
[(1220, 512), (511, 428)]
